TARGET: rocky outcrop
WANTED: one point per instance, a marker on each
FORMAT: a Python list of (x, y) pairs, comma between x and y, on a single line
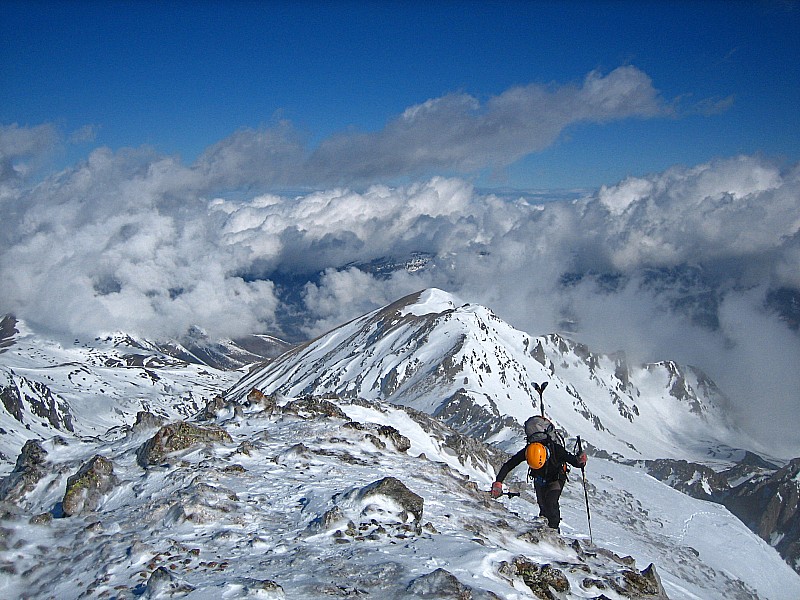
[(8, 329), (384, 507), (147, 420), (443, 585), (310, 407), (21, 396), (762, 496), (86, 488), (695, 480), (770, 506), (177, 436), (220, 408), (614, 573), (28, 471)]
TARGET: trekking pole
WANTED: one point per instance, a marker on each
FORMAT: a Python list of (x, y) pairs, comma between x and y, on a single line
[(540, 390), (585, 493)]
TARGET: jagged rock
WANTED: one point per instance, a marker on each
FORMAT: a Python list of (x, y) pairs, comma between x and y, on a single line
[(257, 398), (8, 329), (640, 585), (695, 480), (19, 392), (213, 407), (311, 406), (401, 442), (162, 584), (28, 471), (542, 533), (177, 436), (329, 519), (443, 585), (463, 413), (541, 579), (86, 488), (147, 420)]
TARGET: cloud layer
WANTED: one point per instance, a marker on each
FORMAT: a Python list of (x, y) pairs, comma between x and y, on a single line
[(677, 265), (455, 133)]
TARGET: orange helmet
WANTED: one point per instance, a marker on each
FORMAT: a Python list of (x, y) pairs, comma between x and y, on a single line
[(536, 455)]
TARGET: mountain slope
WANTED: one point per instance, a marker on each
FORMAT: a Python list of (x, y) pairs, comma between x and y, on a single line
[(461, 362), (83, 389), (328, 497)]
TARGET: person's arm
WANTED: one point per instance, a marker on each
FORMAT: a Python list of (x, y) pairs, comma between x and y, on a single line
[(511, 464), (563, 456), (508, 466)]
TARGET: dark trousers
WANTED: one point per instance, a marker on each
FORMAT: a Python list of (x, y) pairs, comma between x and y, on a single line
[(548, 495)]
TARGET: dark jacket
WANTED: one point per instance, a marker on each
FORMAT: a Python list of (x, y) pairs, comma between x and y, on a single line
[(553, 469)]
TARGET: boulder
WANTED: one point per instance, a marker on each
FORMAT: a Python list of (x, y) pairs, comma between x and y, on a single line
[(541, 579), (86, 488), (314, 407), (28, 471), (410, 504), (147, 420), (175, 437), (443, 585), (640, 585)]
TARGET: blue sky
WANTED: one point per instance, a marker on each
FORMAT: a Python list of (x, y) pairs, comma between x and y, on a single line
[(182, 76), (223, 165)]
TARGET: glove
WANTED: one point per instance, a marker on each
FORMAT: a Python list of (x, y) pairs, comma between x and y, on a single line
[(582, 460), (497, 489)]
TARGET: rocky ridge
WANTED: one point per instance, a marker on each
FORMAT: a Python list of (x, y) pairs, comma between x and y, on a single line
[(281, 500)]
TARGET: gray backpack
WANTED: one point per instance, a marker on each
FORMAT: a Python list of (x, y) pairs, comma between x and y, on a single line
[(541, 429)]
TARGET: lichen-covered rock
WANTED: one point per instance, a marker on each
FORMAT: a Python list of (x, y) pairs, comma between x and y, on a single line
[(542, 580), (175, 437), (86, 488)]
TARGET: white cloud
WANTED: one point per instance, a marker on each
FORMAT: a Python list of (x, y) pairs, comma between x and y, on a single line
[(22, 149), (137, 241), (453, 133)]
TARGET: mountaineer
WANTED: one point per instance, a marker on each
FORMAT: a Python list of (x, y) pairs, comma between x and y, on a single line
[(547, 465)]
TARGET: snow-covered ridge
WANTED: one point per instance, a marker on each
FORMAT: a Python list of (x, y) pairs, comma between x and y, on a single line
[(328, 497), (266, 510), (462, 362)]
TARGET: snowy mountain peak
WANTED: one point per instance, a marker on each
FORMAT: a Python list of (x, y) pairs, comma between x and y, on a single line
[(464, 364), (429, 301)]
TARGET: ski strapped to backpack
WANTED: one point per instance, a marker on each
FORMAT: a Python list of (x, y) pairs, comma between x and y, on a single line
[(540, 390), (540, 435)]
